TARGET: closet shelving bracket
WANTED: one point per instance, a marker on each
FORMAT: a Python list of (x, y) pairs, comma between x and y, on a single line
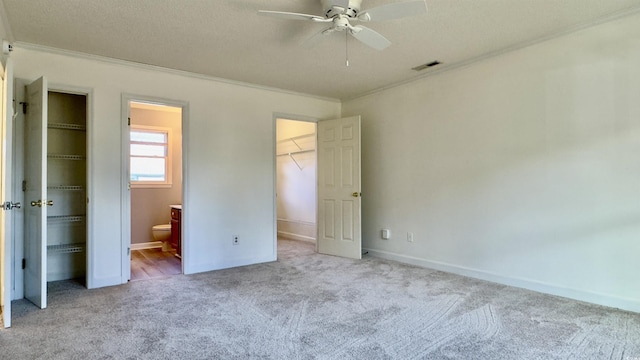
[(300, 150)]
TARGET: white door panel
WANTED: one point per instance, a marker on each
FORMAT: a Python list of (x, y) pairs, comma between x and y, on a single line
[(339, 210), (35, 276)]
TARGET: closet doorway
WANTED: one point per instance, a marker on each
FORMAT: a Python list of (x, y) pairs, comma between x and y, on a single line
[(51, 157), (296, 169)]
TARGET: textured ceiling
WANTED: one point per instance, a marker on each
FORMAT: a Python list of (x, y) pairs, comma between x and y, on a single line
[(227, 39)]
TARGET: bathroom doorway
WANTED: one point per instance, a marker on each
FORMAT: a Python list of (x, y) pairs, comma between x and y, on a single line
[(155, 183), (296, 168)]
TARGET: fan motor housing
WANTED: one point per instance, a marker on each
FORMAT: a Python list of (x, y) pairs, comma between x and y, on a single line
[(330, 11)]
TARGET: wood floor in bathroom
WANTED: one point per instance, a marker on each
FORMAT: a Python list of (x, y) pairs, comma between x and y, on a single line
[(153, 263)]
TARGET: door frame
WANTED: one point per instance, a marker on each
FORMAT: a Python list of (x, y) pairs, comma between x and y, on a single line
[(293, 117), (125, 193), (89, 252), (7, 187), (18, 174)]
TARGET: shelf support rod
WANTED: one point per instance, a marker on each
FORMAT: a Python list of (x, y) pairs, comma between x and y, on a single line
[(294, 160), (299, 148)]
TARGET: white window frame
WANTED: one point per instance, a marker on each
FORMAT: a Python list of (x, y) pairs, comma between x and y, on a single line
[(168, 158)]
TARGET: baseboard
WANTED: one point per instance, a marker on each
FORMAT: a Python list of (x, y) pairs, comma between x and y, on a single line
[(297, 229), (146, 245), (547, 288), (292, 236)]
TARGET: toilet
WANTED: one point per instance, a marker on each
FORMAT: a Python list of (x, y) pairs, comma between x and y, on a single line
[(162, 233)]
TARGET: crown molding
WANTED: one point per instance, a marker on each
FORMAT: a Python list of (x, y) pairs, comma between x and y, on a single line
[(127, 63)]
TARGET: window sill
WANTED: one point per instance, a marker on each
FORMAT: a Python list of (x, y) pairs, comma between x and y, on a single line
[(151, 186)]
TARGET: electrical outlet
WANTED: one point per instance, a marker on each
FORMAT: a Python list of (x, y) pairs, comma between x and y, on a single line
[(236, 239), (385, 234), (410, 237)]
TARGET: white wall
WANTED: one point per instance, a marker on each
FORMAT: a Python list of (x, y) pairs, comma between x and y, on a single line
[(229, 150), (296, 182), (521, 169)]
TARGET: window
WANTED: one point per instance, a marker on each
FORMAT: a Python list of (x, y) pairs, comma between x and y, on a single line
[(150, 156)]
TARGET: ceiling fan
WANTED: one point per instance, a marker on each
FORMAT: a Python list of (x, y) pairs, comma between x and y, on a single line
[(340, 13)]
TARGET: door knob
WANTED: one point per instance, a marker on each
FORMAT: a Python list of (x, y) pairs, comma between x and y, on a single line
[(41, 203), (356, 194)]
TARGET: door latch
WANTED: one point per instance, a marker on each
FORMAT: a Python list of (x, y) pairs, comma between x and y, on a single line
[(10, 205)]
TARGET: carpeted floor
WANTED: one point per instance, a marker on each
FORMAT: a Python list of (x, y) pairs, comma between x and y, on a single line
[(309, 306)]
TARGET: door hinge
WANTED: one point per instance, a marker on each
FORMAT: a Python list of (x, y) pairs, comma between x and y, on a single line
[(24, 107), (24, 185), (129, 121), (24, 263), (128, 251)]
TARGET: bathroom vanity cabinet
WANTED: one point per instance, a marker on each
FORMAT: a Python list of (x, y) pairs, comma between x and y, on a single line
[(176, 230), (66, 186)]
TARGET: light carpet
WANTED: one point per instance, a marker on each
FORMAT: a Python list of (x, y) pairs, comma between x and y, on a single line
[(311, 306)]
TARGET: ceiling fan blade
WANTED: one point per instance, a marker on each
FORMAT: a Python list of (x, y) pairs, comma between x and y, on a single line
[(394, 11), (317, 37), (369, 37), (291, 16)]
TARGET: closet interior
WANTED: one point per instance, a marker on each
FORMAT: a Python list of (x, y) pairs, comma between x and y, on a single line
[(66, 186)]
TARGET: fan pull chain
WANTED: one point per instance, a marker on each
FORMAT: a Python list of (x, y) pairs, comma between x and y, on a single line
[(346, 47)]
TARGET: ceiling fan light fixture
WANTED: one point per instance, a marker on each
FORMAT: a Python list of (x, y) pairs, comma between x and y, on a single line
[(426, 66), (333, 8), (342, 12)]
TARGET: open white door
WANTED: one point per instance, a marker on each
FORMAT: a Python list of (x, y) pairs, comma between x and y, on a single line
[(35, 275), (339, 206), (6, 122)]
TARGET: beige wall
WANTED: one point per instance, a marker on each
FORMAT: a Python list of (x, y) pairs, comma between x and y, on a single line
[(521, 169), (150, 206)]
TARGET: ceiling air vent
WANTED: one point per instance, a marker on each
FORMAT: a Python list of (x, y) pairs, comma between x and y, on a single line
[(425, 66)]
